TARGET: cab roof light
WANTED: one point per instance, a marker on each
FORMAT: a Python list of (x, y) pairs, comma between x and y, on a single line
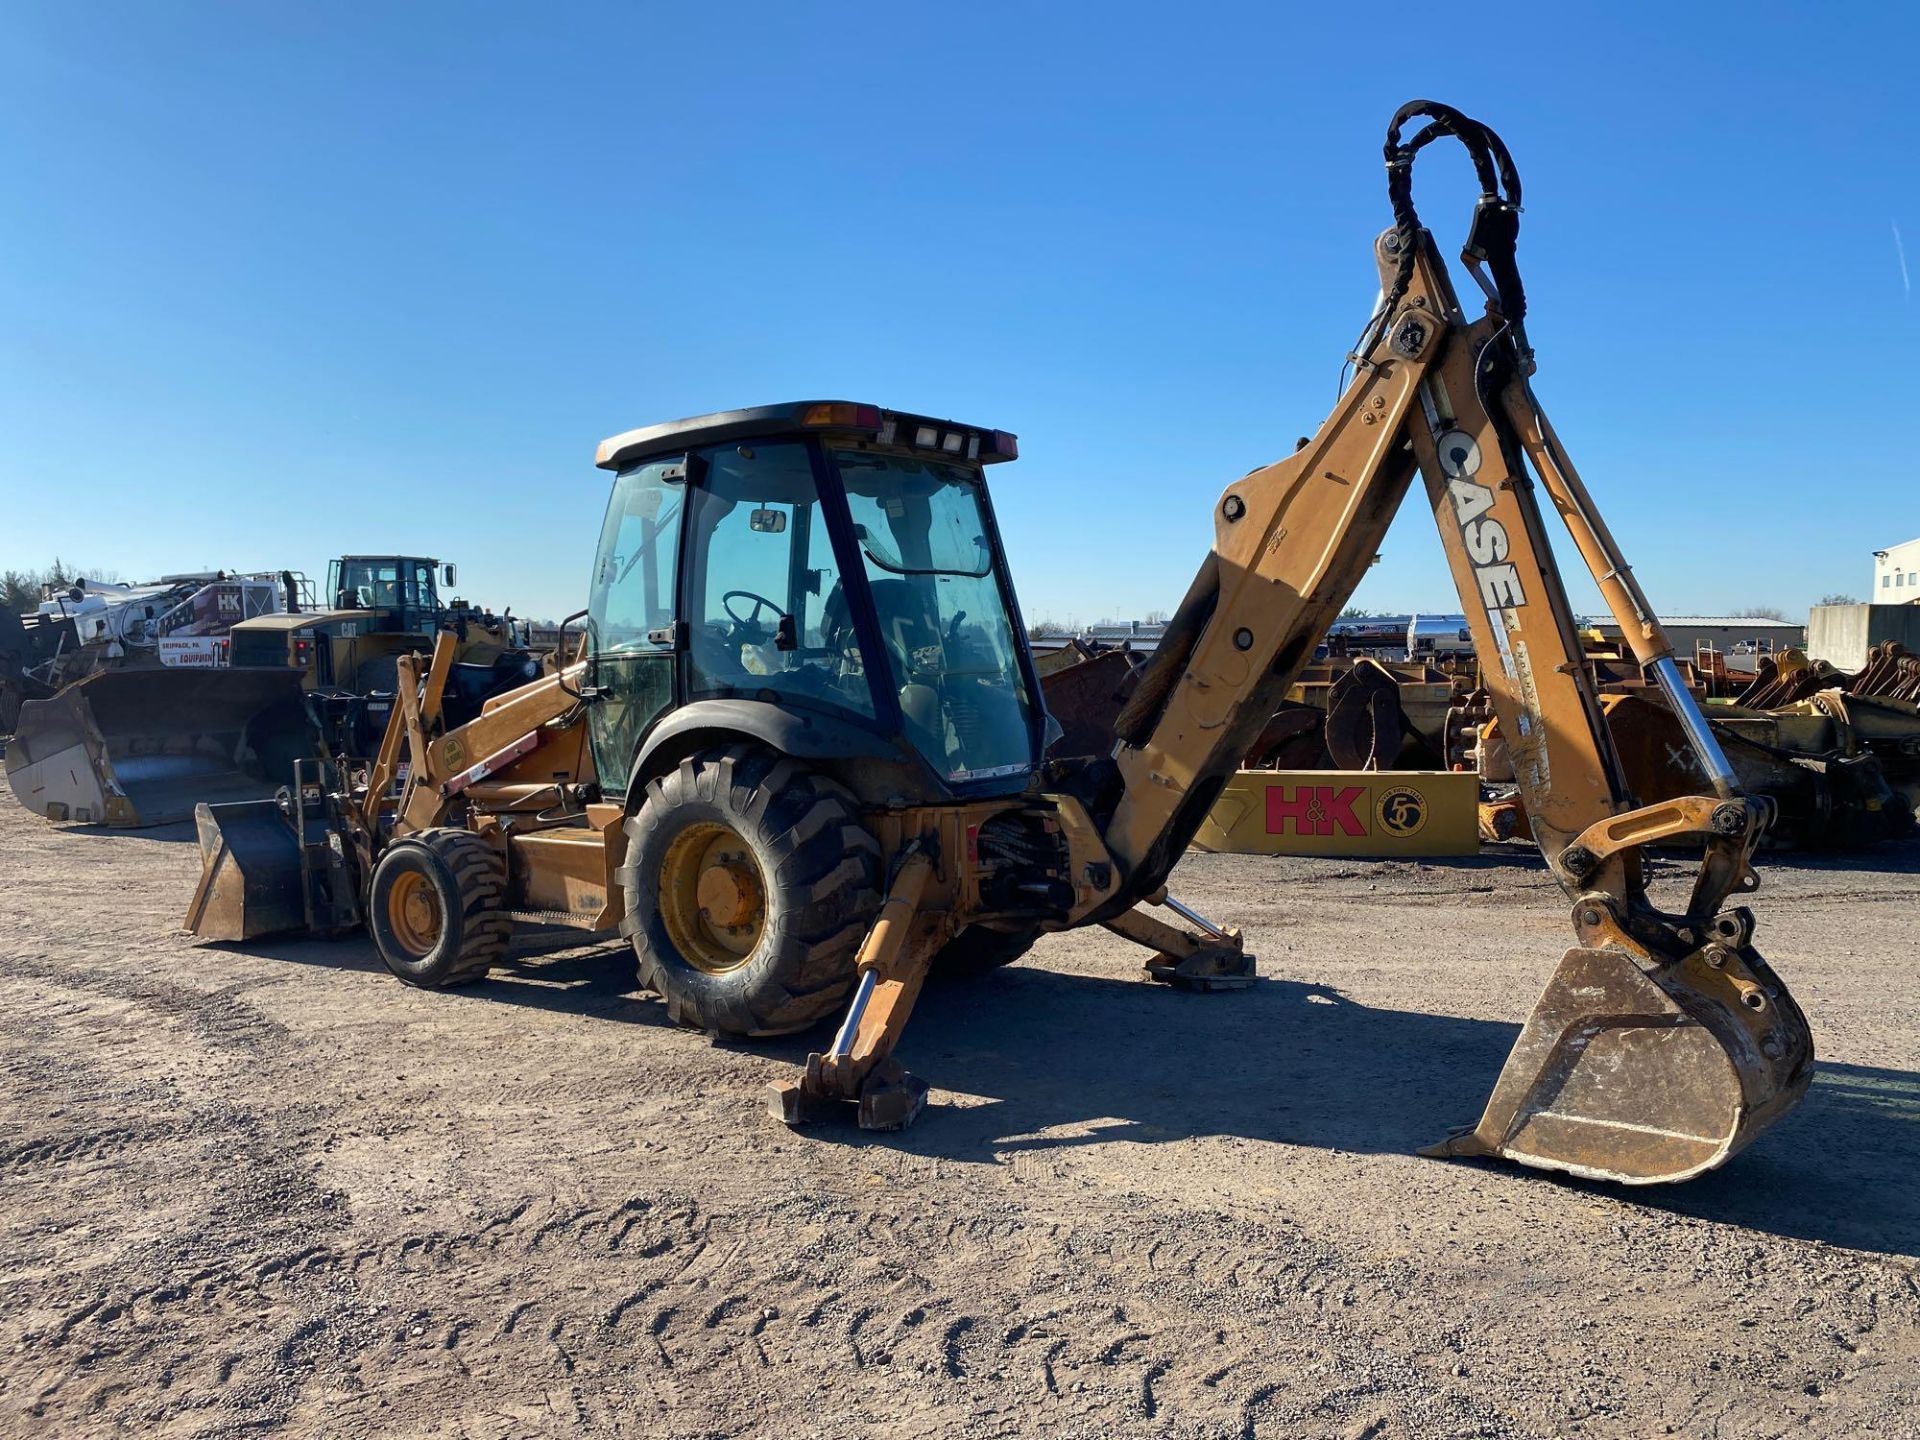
[(952, 441), (927, 436), (1001, 446), (842, 415)]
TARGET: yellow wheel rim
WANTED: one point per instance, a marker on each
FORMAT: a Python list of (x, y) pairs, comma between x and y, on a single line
[(713, 898), (413, 913)]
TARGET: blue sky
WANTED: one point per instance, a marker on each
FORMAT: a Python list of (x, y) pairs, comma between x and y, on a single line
[(282, 281)]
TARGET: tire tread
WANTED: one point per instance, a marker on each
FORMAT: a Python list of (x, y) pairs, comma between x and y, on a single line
[(824, 862)]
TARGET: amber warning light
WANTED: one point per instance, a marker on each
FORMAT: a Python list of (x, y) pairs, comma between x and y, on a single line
[(983, 446)]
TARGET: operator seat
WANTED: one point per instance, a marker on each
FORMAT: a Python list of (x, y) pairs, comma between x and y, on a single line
[(907, 621)]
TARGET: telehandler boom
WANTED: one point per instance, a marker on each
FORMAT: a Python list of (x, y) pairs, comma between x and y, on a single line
[(799, 760)]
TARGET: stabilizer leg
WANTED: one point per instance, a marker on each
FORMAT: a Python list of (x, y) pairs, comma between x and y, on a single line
[(1215, 959), (859, 1067)]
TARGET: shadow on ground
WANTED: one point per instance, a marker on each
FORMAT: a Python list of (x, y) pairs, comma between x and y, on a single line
[(1108, 1060), (1117, 1060), (1901, 857), (547, 968), (179, 832)]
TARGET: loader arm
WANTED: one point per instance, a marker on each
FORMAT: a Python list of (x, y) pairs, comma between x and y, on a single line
[(1691, 1044)]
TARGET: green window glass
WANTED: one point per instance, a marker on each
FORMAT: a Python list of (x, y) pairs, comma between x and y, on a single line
[(944, 623), (766, 608), (631, 610)]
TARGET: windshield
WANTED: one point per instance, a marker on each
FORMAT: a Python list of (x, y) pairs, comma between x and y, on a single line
[(383, 583), (633, 576), (924, 541)]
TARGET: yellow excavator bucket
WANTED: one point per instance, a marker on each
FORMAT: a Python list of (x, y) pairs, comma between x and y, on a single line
[(143, 747), (1643, 1073)]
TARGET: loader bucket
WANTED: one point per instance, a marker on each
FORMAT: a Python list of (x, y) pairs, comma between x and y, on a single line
[(1085, 697), (143, 747), (1644, 1075), (250, 880)]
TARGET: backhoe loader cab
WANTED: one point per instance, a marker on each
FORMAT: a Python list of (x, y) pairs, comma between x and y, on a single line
[(824, 578)]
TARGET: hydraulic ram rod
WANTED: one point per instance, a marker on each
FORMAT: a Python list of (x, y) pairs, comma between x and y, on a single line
[(1618, 587)]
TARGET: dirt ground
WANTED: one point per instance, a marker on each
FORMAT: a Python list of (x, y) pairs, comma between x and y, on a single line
[(265, 1188)]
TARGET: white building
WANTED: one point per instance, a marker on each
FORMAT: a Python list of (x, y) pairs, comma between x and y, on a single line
[(1896, 575), (1734, 636)]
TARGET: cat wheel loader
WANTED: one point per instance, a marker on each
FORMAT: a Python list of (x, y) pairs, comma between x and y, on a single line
[(796, 753)]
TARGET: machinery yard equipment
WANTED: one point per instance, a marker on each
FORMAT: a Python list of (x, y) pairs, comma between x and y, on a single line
[(141, 747), (802, 756), (1838, 756), (88, 626)]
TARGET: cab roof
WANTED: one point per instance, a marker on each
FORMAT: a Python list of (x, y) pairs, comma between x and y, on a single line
[(887, 427)]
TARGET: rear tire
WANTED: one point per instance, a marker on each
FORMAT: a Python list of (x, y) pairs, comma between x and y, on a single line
[(435, 908), (976, 950), (778, 851)]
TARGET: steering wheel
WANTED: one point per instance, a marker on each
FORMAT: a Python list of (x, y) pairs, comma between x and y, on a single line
[(750, 620)]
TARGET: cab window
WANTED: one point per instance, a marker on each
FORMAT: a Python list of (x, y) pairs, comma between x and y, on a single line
[(951, 651), (767, 610), (631, 610)]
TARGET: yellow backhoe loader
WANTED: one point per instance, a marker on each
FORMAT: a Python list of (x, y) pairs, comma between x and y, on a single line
[(799, 757)]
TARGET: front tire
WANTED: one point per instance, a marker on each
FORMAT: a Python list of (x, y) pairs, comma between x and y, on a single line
[(749, 884), (435, 908)]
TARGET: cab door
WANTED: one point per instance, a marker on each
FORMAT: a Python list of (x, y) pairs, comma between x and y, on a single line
[(632, 618)]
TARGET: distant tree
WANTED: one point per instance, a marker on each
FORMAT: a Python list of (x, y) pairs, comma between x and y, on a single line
[(1049, 630), (1838, 600), (20, 589), (1355, 612), (1157, 617), (1760, 612)]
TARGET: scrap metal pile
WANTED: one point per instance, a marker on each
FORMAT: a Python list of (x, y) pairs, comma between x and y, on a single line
[(81, 628), (1839, 753)]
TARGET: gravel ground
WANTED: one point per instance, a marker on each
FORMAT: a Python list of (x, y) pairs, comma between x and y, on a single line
[(265, 1187)]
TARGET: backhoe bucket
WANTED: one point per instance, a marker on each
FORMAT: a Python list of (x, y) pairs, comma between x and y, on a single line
[(250, 880), (143, 747), (1642, 1076)]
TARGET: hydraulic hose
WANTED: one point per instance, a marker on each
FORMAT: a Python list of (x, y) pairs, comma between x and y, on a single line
[(1496, 219)]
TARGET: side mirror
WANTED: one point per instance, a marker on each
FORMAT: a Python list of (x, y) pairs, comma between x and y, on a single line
[(563, 661), (449, 575)]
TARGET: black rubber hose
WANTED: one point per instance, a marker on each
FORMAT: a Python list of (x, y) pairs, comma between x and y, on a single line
[(1499, 193)]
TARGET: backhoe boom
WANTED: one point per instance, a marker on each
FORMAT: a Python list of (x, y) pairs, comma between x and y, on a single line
[(1665, 1042)]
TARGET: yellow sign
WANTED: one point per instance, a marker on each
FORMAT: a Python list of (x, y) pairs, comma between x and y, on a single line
[(1345, 812)]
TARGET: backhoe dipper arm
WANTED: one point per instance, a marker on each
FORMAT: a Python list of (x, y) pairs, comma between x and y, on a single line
[(1690, 1041)]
